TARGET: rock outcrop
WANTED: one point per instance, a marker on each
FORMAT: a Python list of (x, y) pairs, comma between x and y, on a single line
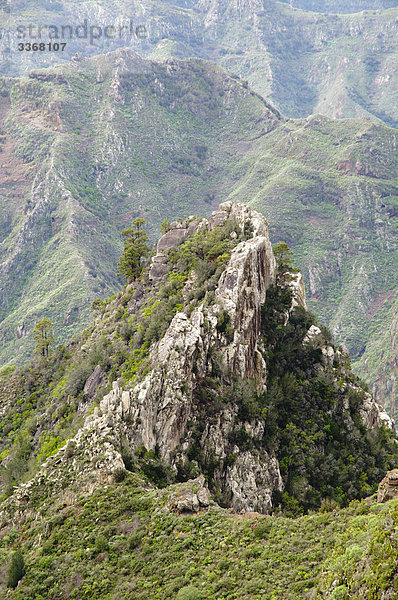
[(191, 497), (170, 414), (160, 407), (388, 488)]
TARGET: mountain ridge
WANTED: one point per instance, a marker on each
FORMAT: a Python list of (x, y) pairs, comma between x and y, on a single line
[(202, 332), (311, 178), (303, 62)]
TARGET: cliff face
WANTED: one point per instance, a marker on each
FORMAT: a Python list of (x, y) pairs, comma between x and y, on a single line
[(195, 410), (160, 408)]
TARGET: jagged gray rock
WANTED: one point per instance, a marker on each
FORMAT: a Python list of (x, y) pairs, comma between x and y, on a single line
[(160, 407), (191, 497), (155, 413), (374, 415)]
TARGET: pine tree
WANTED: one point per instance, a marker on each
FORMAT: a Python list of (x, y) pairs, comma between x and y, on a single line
[(284, 263), (43, 334), (135, 250), (165, 226)]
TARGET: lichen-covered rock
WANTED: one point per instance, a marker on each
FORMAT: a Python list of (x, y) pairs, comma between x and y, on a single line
[(388, 488), (252, 480), (298, 289), (373, 415), (311, 334), (191, 497), (160, 407), (241, 293)]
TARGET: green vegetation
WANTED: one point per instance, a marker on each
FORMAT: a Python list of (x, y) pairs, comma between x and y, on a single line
[(78, 531), (42, 402), (122, 540), (207, 254), (323, 452), (135, 250), (43, 335), (326, 187), (80, 254), (16, 570), (284, 263), (46, 401), (202, 256)]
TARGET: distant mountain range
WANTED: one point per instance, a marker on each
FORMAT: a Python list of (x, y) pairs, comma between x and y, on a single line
[(304, 62), (341, 6)]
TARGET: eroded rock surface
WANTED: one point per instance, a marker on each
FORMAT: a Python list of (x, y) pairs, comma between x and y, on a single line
[(160, 407), (191, 497), (388, 488)]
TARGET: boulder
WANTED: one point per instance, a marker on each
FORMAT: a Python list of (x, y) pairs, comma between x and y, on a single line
[(93, 382), (193, 496), (388, 488)]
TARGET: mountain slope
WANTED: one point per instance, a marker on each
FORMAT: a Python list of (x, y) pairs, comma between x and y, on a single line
[(304, 62), (124, 539), (115, 139), (338, 6)]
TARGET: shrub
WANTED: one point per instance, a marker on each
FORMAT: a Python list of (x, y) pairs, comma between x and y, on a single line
[(7, 371), (98, 305), (119, 475), (224, 325), (262, 529), (77, 377), (101, 544), (328, 504), (340, 593), (190, 592), (16, 570), (135, 539)]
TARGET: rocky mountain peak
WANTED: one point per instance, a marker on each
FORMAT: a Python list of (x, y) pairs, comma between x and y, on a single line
[(215, 392)]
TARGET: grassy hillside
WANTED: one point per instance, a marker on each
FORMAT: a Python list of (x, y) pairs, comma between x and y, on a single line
[(123, 540), (304, 62)]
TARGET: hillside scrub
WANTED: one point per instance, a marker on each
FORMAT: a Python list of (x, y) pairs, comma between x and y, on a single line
[(123, 540)]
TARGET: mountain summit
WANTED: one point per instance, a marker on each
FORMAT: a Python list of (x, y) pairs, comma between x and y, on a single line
[(213, 368)]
